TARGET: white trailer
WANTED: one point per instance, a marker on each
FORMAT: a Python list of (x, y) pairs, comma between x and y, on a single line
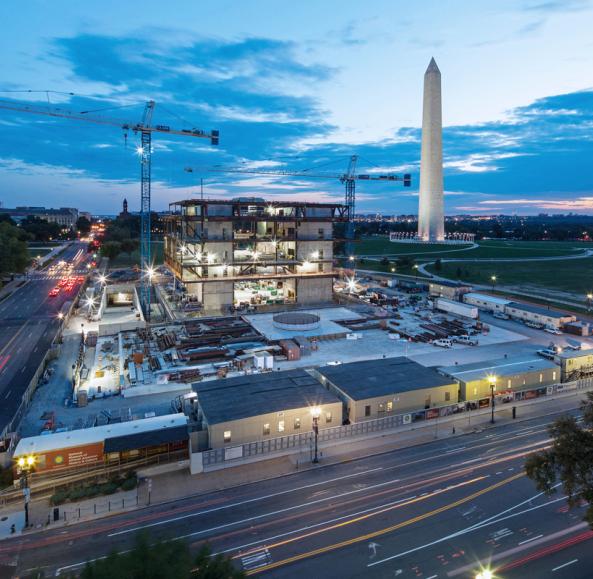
[(457, 308)]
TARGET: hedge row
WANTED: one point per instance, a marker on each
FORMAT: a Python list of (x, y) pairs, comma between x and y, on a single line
[(88, 492)]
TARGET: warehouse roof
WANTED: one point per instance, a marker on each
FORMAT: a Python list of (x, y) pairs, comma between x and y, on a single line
[(61, 440), (146, 439), (538, 310), (570, 354), (372, 378), (500, 367), (487, 298), (256, 394)]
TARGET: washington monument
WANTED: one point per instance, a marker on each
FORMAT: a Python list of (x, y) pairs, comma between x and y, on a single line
[(431, 216)]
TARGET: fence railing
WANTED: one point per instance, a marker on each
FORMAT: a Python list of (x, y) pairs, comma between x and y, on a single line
[(286, 444)]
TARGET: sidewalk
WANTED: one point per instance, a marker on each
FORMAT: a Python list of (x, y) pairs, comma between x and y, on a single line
[(179, 484)]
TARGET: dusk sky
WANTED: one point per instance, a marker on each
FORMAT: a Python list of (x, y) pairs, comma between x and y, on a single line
[(293, 85)]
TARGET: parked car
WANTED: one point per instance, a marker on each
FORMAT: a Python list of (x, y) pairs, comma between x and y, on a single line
[(554, 331), (546, 353), (443, 343), (469, 341), (501, 316)]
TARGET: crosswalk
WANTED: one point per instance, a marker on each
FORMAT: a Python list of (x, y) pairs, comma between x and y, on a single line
[(256, 559), (57, 276)]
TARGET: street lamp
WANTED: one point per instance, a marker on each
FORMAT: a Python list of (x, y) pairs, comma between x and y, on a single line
[(26, 465), (492, 383), (315, 413), (485, 574), (589, 301), (493, 280), (416, 266)]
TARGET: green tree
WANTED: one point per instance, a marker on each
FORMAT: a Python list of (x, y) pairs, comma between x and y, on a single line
[(162, 560), (40, 229), (384, 261), (458, 273), (111, 249), (14, 255), (83, 225), (569, 460), (438, 264), (129, 246)]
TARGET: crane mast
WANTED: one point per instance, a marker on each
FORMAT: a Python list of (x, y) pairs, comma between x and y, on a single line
[(146, 129)]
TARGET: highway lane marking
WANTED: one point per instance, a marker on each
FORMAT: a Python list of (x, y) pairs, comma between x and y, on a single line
[(432, 577), (516, 549), (23, 369), (384, 531), (529, 540), (492, 520), (8, 395), (264, 497), (565, 565), (14, 337), (249, 519), (363, 515)]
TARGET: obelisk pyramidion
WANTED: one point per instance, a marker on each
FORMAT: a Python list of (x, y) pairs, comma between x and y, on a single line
[(431, 219)]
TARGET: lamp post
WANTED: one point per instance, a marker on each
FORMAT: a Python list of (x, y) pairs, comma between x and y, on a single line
[(315, 413), (25, 465), (589, 301), (493, 280), (416, 266), (492, 382)]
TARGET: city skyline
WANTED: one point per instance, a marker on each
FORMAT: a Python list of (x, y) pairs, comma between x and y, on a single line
[(303, 92)]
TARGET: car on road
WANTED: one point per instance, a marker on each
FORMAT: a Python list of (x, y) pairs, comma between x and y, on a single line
[(554, 331), (54, 292)]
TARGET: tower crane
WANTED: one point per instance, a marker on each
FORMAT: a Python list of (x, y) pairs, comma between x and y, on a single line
[(348, 179), (146, 129)]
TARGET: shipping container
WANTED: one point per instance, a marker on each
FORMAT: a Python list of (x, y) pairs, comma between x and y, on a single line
[(456, 308)]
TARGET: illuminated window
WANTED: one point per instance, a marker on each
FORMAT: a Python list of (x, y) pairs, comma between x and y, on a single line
[(227, 436), (389, 406), (280, 425), (266, 428), (297, 423)]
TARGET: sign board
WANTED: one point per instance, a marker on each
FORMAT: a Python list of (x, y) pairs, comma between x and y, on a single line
[(407, 418), (233, 452)]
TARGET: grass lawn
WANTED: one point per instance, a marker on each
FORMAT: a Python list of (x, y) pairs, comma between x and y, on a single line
[(495, 248), (125, 260), (572, 275), (378, 266)]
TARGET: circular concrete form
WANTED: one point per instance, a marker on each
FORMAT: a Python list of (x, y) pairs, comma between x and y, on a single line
[(296, 322)]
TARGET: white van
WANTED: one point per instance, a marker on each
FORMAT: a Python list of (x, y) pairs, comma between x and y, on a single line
[(469, 341), (443, 343)]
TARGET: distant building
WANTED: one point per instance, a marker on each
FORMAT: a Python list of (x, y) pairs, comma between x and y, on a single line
[(486, 302), (511, 374), (257, 407), (378, 388), (124, 212), (451, 290), (66, 217), (575, 365)]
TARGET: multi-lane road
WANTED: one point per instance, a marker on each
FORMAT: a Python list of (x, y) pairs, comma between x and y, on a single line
[(28, 324), (440, 510)]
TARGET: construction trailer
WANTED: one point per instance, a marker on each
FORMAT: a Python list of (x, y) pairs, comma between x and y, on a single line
[(252, 253)]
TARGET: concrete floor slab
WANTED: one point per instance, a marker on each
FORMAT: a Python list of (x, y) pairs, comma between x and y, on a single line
[(264, 323)]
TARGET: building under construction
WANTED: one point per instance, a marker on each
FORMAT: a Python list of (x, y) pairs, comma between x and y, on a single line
[(252, 252)]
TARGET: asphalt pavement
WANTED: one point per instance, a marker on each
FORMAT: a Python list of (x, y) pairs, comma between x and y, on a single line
[(444, 509), (28, 325)]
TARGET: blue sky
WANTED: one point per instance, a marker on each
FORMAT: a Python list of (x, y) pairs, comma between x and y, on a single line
[(302, 84)]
